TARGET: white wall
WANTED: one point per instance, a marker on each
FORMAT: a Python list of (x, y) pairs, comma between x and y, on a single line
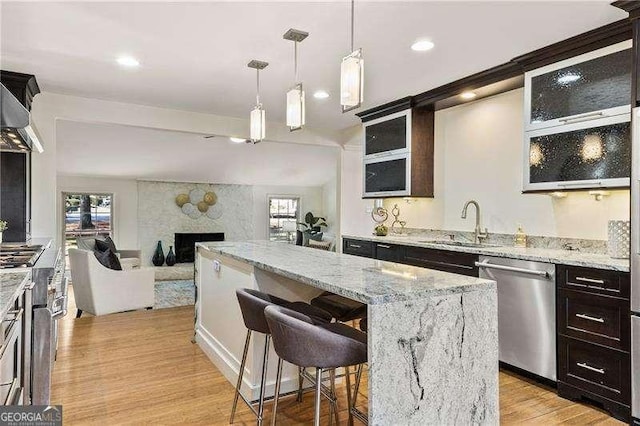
[(49, 108), (330, 206), (479, 151), (355, 213), (310, 200), (125, 203)]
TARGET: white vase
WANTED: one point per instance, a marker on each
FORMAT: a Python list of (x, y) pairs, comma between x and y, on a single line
[(0, 237)]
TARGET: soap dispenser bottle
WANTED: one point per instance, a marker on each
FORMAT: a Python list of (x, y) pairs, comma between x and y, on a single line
[(520, 239)]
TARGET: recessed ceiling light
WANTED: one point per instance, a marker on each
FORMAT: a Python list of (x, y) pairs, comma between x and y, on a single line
[(237, 140), (422, 45), (321, 94), (568, 78), (128, 61), (468, 95)]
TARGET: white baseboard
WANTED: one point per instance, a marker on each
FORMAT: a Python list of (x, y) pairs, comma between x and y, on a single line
[(229, 367)]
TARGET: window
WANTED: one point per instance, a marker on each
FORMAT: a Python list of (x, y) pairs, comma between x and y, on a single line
[(86, 214), (284, 214)]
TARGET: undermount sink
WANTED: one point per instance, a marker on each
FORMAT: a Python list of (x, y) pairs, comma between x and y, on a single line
[(459, 243)]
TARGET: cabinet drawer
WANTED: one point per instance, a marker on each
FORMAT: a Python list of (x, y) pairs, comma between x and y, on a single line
[(603, 371), (357, 247), (447, 261), (389, 252), (595, 318), (609, 283)]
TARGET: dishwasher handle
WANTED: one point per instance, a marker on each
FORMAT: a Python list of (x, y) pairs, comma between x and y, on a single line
[(485, 264)]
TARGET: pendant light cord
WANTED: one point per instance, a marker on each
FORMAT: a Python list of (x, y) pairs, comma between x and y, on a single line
[(257, 87), (352, 21), (295, 62)]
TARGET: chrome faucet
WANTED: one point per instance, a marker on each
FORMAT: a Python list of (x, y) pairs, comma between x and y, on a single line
[(479, 233)]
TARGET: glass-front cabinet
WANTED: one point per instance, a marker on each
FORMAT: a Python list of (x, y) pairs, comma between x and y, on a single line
[(387, 176), (388, 135), (579, 156), (588, 87), (387, 156), (577, 122)]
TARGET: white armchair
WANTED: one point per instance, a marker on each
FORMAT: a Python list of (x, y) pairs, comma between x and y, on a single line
[(129, 259), (100, 290)]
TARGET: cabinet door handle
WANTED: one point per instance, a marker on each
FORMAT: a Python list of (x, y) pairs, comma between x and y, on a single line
[(355, 246), (590, 318), (590, 368), (384, 246), (583, 183), (590, 280), (583, 117)]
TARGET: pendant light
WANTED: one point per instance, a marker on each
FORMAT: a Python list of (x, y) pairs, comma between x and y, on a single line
[(295, 95), (352, 75), (257, 118)]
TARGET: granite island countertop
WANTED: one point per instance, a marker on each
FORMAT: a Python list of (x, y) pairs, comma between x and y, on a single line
[(560, 257), (12, 283), (366, 280)]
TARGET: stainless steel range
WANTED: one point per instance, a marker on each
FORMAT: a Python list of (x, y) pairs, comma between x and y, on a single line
[(45, 302), (17, 255)]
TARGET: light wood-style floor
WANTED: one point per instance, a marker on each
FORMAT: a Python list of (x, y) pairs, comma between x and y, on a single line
[(141, 368)]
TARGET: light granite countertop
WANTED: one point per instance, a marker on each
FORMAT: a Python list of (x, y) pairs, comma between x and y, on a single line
[(561, 257), (12, 283), (366, 280)]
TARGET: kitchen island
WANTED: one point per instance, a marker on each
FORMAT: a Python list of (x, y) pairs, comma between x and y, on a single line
[(432, 338)]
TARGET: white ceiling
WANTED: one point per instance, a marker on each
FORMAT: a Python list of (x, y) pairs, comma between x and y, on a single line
[(194, 55), (107, 150)]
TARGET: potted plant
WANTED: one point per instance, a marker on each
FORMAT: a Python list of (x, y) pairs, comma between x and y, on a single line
[(312, 228), (3, 227)]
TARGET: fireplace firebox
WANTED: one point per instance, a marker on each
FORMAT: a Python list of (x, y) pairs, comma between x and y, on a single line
[(186, 243)]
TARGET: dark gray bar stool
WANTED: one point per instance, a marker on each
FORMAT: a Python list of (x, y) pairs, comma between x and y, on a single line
[(301, 341), (252, 305), (341, 308)]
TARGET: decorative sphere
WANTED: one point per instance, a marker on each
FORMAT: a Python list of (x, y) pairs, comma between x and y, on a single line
[(182, 199), (203, 206), (210, 198)]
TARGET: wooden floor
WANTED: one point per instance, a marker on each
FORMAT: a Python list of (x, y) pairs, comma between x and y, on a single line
[(141, 368)]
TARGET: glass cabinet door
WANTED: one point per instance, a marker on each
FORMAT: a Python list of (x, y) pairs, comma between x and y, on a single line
[(387, 135), (580, 156), (387, 177), (590, 86)]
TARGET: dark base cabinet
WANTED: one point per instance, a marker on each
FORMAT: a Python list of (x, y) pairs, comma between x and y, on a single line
[(594, 338), (358, 247), (440, 260), (389, 252)]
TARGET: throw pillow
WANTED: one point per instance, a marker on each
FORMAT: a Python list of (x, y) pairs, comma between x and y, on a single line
[(316, 236), (106, 244), (322, 245), (108, 259)]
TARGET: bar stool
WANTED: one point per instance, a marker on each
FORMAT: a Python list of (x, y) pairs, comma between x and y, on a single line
[(252, 305), (298, 340), (341, 308)]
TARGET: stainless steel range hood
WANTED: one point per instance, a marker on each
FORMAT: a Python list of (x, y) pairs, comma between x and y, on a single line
[(16, 133)]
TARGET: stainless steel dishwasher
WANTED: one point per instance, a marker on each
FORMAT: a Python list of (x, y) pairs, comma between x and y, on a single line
[(526, 312)]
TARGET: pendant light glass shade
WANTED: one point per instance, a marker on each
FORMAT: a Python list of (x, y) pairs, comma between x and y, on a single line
[(352, 81), (258, 128), (295, 107)]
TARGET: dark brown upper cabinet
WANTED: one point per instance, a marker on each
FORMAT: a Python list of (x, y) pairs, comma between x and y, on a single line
[(398, 154)]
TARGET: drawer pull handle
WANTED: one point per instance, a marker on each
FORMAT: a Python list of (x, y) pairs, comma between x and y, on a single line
[(590, 280), (355, 246), (590, 368), (590, 318), (384, 246)]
